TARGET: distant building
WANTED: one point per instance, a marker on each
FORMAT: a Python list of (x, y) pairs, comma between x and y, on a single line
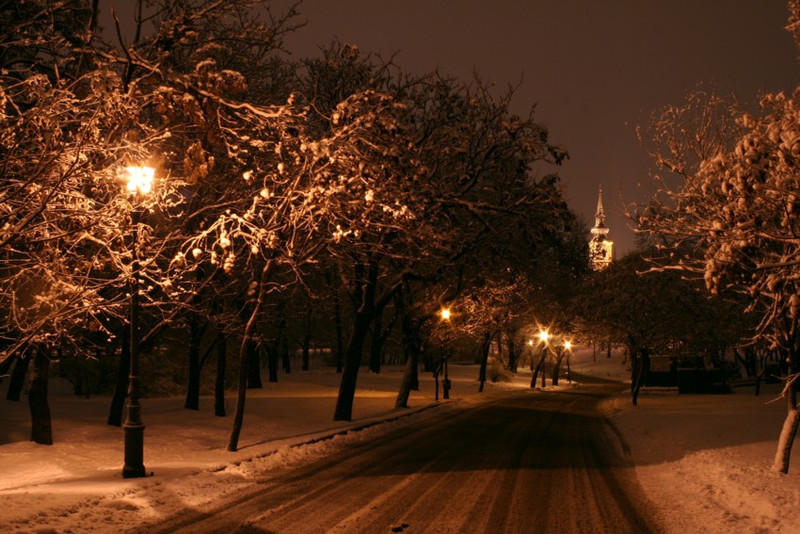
[(601, 249)]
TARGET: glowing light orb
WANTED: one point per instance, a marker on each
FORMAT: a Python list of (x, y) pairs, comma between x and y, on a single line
[(139, 179)]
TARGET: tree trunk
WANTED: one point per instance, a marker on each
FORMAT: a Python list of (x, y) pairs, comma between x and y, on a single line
[(247, 341), (513, 355), (253, 366), (5, 367), (306, 352), (411, 346), (282, 340), (376, 347), (18, 375), (121, 383), (337, 318), (286, 355), (485, 346), (272, 364), (789, 430), (41, 429), (219, 385), (347, 387), (557, 366), (539, 369), (410, 379), (192, 401), (364, 292), (788, 433)]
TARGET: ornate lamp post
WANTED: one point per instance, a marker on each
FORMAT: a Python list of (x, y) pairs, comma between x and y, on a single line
[(139, 182)]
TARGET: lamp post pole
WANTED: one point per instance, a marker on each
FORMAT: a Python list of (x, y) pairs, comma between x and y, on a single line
[(544, 335), (445, 314), (133, 427), (568, 348), (139, 181)]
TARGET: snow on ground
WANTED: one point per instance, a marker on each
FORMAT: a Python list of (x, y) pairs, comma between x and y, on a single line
[(702, 460)]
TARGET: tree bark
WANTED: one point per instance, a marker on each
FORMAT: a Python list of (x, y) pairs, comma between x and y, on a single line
[(286, 356), (253, 355), (513, 355), (376, 347), (539, 369), (306, 352), (192, 401), (557, 366), (411, 346), (41, 428), (485, 346), (337, 320), (272, 364), (790, 424), (347, 387), (365, 295), (247, 340), (219, 385), (18, 375), (410, 379), (121, 383)]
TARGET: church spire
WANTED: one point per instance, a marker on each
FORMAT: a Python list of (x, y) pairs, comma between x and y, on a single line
[(601, 249), (600, 227)]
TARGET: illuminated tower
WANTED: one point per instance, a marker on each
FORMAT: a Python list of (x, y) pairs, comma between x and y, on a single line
[(601, 249)]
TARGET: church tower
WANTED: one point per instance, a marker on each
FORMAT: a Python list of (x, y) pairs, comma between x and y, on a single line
[(601, 249)]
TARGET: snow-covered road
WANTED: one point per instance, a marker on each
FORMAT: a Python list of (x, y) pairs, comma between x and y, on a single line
[(525, 463)]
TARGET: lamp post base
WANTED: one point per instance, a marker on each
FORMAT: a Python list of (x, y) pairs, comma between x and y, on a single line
[(134, 451)]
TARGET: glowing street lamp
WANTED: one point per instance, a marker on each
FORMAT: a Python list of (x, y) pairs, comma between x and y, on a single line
[(139, 182), (444, 313), (544, 335)]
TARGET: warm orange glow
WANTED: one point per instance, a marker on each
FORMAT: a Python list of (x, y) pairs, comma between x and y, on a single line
[(544, 335), (139, 179), (567, 345), (445, 313)]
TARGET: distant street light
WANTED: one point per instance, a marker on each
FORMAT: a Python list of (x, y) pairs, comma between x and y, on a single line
[(445, 315), (544, 335), (139, 181)]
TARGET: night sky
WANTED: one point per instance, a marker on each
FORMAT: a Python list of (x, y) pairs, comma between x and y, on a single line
[(593, 68)]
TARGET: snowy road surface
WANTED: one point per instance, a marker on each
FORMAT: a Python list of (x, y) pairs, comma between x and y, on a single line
[(526, 463)]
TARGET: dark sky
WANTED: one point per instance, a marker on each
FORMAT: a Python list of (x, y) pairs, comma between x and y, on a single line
[(593, 68)]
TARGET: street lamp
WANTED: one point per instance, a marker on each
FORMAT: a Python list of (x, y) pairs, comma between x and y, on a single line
[(445, 315), (139, 182), (544, 335)]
